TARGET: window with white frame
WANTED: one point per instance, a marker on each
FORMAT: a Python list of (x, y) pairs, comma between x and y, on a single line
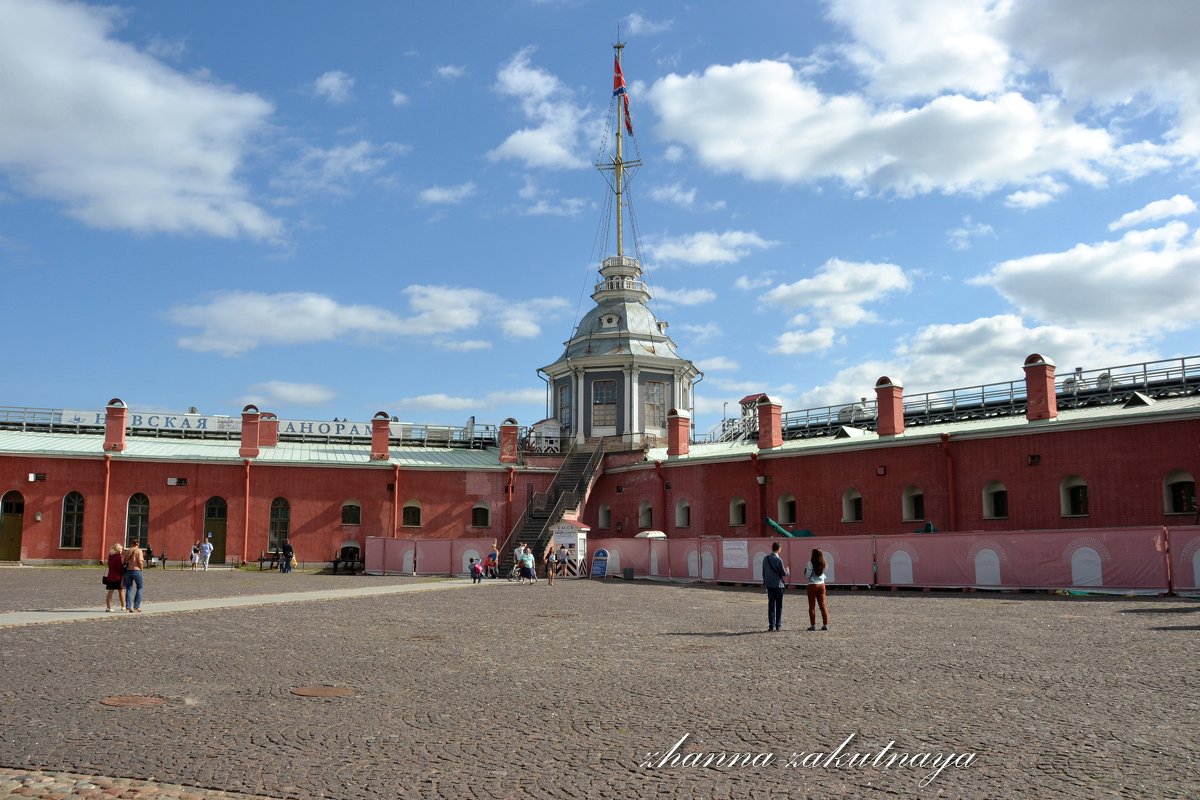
[(137, 525), (654, 394), (280, 523), (410, 515), (71, 535), (604, 404), (352, 512)]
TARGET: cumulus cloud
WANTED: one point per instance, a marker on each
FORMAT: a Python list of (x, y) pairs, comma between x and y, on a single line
[(334, 170), (555, 135), (451, 72), (684, 297), (1029, 198), (716, 363), (701, 333), (637, 25), (115, 136), (1144, 282), (547, 202), (765, 121), (447, 195), (960, 237), (707, 247), (399, 98), (1178, 206), (799, 342), (748, 284), (498, 403), (282, 393), (838, 294), (232, 323), (335, 86)]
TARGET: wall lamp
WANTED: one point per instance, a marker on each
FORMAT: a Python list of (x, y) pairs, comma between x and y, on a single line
[(37, 516), (762, 480)]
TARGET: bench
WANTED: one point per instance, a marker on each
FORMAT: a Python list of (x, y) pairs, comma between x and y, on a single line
[(268, 558), (352, 564)]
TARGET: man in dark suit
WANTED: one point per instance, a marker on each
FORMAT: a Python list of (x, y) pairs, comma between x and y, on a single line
[(774, 572)]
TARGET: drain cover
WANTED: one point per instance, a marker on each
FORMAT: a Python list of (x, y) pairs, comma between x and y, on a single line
[(132, 701), (323, 691)]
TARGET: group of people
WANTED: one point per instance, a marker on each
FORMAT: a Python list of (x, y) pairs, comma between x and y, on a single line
[(125, 565), (775, 574), (201, 553), (555, 562)]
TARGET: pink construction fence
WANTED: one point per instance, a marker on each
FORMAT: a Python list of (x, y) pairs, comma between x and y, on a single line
[(1150, 560)]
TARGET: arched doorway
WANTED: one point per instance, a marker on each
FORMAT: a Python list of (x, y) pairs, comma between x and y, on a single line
[(12, 517), (216, 515)]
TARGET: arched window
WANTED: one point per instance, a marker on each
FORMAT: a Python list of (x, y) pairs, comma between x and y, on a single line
[(995, 501), (852, 506), (481, 516), (1073, 496), (913, 505), (787, 510), (72, 521), (216, 509), (1179, 492), (410, 517), (352, 512), (737, 511), (137, 521), (281, 523), (604, 517), (683, 514), (645, 516)]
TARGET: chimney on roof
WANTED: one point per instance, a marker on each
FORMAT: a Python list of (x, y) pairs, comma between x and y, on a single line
[(251, 422), (889, 404), (1041, 399), (268, 429), (770, 423), (114, 426), (508, 441), (380, 430), (678, 432)]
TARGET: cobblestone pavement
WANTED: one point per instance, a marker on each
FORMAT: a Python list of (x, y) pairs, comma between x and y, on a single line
[(516, 691)]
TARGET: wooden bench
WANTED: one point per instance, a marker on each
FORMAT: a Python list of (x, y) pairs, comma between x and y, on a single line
[(352, 564), (268, 558)]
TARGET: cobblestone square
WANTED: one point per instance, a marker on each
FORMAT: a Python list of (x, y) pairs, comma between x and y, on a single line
[(504, 690)]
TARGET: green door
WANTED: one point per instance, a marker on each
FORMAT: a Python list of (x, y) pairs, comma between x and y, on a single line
[(12, 515), (216, 514)]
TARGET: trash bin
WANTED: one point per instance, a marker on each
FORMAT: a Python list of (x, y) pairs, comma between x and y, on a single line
[(627, 573)]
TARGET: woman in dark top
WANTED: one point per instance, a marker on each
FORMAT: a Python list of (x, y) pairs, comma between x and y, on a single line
[(112, 578)]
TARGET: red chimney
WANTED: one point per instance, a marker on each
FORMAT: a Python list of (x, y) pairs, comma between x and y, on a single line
[(508, 441), (250, 432), (678, 432), (770, 423), (114, 426), (1041, 399), (889, 403), (380, 430), (268, 430)]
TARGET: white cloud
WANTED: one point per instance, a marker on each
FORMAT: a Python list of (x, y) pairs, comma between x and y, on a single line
[(675, 194), (335, 86), (545, 202), (748, 284), (451, 72), (547, 104), (707, 247), (637, 25), (399, 98), (1145, 282), (798, 342), (282, 393), (332, 171), (463, 345), (447, 195), (701, 333), (839, 292), (926, 47), (167, 49), (118, 138), (684, 297), (762, 120), (499, 400), (233, 323), (716, 364), (1028, 199), (960, 237), (1178, 206)]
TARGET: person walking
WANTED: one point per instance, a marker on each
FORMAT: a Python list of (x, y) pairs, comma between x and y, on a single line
[(551, 564), (774, 573), (206, 553), (194, 559), (135, 562), (564, 556), (814, 572), (285, 560), (114, 577), (527, 569)]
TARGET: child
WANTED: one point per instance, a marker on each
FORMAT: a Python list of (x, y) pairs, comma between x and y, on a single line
[(476, 571)]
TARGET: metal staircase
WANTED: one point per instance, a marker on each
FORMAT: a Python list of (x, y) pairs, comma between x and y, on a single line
[(546, 509)]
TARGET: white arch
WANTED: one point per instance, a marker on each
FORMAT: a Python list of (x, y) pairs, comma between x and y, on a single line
[(466, 560), (410, 561), (901, 565), (829, 571), (1086, 569), (987, 568), (653, 561), (693, 564), (706, 565)]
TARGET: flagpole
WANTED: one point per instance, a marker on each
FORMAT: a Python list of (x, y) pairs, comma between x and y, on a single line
[(619, 163)]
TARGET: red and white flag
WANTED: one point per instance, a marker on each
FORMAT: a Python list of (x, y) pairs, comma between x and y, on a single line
[(619, 88)]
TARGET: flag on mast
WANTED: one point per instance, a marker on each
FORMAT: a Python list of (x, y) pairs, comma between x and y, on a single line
[(619, 88)]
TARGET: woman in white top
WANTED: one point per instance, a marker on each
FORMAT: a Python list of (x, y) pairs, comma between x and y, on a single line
[(814, 572)]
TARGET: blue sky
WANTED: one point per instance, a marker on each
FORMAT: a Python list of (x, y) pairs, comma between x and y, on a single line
[(329, 210)]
